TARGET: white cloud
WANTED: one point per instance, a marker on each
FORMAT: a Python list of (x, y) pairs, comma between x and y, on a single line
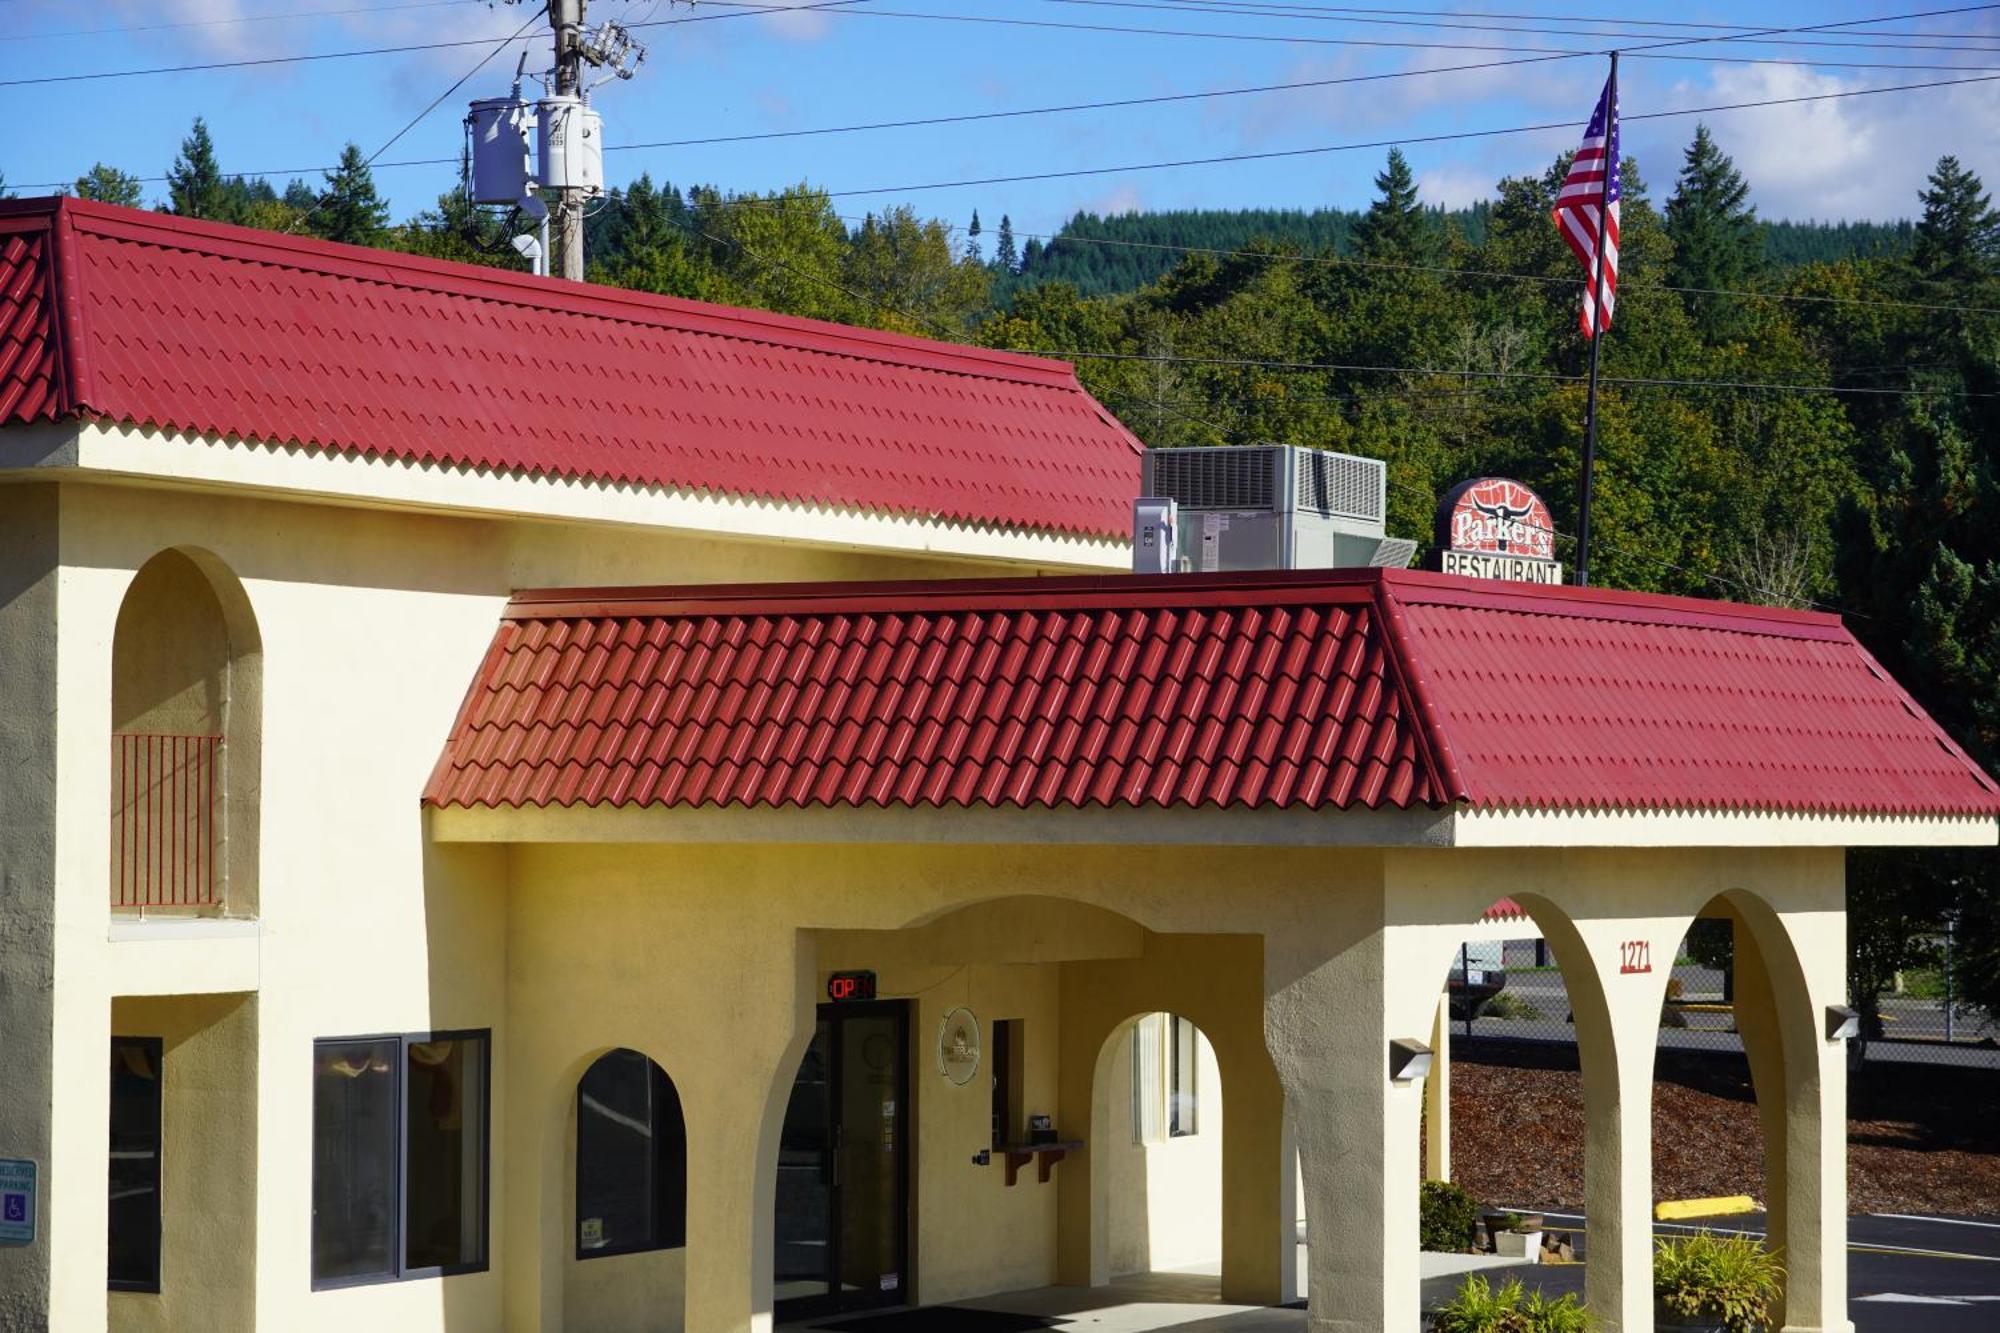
[(1455, 184), (793, 21), (1856, 157)]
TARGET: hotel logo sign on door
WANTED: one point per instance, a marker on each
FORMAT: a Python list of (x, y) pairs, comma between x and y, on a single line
[(1496, 528)]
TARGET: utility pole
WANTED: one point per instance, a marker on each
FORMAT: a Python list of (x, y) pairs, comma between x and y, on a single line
[(566, 211)]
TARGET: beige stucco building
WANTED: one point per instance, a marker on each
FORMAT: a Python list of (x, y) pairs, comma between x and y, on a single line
[(462, 731)]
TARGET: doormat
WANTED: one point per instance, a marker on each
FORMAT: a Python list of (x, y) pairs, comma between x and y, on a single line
[(945, 1319)]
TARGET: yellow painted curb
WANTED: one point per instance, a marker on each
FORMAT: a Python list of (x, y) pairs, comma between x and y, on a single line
[(1673, 1210)]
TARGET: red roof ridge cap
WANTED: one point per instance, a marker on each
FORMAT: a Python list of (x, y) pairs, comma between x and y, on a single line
[(1028, 592), (1416, 691), (1417, 586), (396, 268)]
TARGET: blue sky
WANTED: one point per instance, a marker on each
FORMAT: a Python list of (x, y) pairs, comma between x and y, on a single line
[(751, 72)]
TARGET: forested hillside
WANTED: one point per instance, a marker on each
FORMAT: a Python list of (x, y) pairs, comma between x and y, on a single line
[(1100, 255), (1800, 415)]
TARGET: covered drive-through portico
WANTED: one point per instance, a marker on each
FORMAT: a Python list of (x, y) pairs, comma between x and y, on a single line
[(1272, 804)]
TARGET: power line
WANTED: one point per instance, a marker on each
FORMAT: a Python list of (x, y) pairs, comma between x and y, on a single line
[(1541, 376), (1548, 376), (1066, 238), (750, 201), (1443, 137), (232, 22), (840, 6), (258, 62), (1301, 40), (847, 7), (1252, 90), (1257, 5), (1066, 108), (1743, 33)]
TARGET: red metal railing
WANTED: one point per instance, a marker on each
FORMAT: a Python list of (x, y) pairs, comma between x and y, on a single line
[(165, 791)]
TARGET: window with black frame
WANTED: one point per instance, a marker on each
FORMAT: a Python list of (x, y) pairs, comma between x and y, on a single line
[(1183, 1061), (133, 1247), (400, 1156), (631, 1158)]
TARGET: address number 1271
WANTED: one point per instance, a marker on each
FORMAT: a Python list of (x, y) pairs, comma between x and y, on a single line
[(1635, 956)]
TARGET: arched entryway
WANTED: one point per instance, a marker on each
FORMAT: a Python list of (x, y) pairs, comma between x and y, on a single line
[(626, 1270)]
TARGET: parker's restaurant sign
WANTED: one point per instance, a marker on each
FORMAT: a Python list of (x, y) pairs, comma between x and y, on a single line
[(1496, 528)]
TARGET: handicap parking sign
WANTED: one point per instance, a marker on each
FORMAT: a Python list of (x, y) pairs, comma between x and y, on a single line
[(17, 1201)]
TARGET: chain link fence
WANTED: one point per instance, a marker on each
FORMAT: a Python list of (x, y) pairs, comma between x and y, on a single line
[(1513, 991)]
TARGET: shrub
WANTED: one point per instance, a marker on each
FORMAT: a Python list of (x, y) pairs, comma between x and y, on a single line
[(1509, 1005), (1732, 1280), (1478, 1308), (1447, 1217)]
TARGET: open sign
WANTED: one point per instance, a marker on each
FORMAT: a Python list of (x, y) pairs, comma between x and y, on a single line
[(843, 987)]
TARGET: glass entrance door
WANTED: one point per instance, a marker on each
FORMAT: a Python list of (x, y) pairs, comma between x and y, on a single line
[(843, 1166)]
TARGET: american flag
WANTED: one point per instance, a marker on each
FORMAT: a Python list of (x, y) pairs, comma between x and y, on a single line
[(1583, 193)]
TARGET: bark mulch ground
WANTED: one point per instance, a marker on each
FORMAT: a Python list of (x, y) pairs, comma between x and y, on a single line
[(1921, 1138)]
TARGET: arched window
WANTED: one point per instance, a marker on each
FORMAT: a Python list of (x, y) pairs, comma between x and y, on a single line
[(185, 722), (631, 1158)]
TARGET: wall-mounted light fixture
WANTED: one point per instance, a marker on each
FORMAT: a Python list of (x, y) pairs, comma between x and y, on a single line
[(1842, 1023), (1408, 1060)]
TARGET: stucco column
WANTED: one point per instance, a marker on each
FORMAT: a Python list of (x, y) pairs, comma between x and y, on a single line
[(1801, 1082), (1616, 969), (1326, 1023), (1437, 1096)]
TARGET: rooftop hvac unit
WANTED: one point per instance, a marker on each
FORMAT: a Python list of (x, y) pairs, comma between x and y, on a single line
[(1276, 506)]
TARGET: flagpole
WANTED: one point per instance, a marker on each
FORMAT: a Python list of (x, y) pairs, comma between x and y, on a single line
[(1596, 337)]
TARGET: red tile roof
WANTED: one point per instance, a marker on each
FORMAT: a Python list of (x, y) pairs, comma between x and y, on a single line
[(1313, 689), (220, 330)]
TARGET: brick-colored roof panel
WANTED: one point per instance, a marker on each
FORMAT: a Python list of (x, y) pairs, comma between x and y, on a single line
[(1077, 700), (1557, 704), (225, 331), (1314, 690)]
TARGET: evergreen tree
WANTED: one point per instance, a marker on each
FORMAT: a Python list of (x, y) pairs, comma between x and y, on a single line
[(1396, 225), (299, 195), (972, 239), (1718, 242), (349, 209), (1003, 253), (1958, 239), (194, 181), (108, 185)]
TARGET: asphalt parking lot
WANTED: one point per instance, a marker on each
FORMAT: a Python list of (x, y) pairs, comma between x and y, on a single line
[(1905, 1273)]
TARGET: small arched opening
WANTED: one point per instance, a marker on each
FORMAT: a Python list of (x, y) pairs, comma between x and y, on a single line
[(1159, 1088), (626, 1271), (186, 717)]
